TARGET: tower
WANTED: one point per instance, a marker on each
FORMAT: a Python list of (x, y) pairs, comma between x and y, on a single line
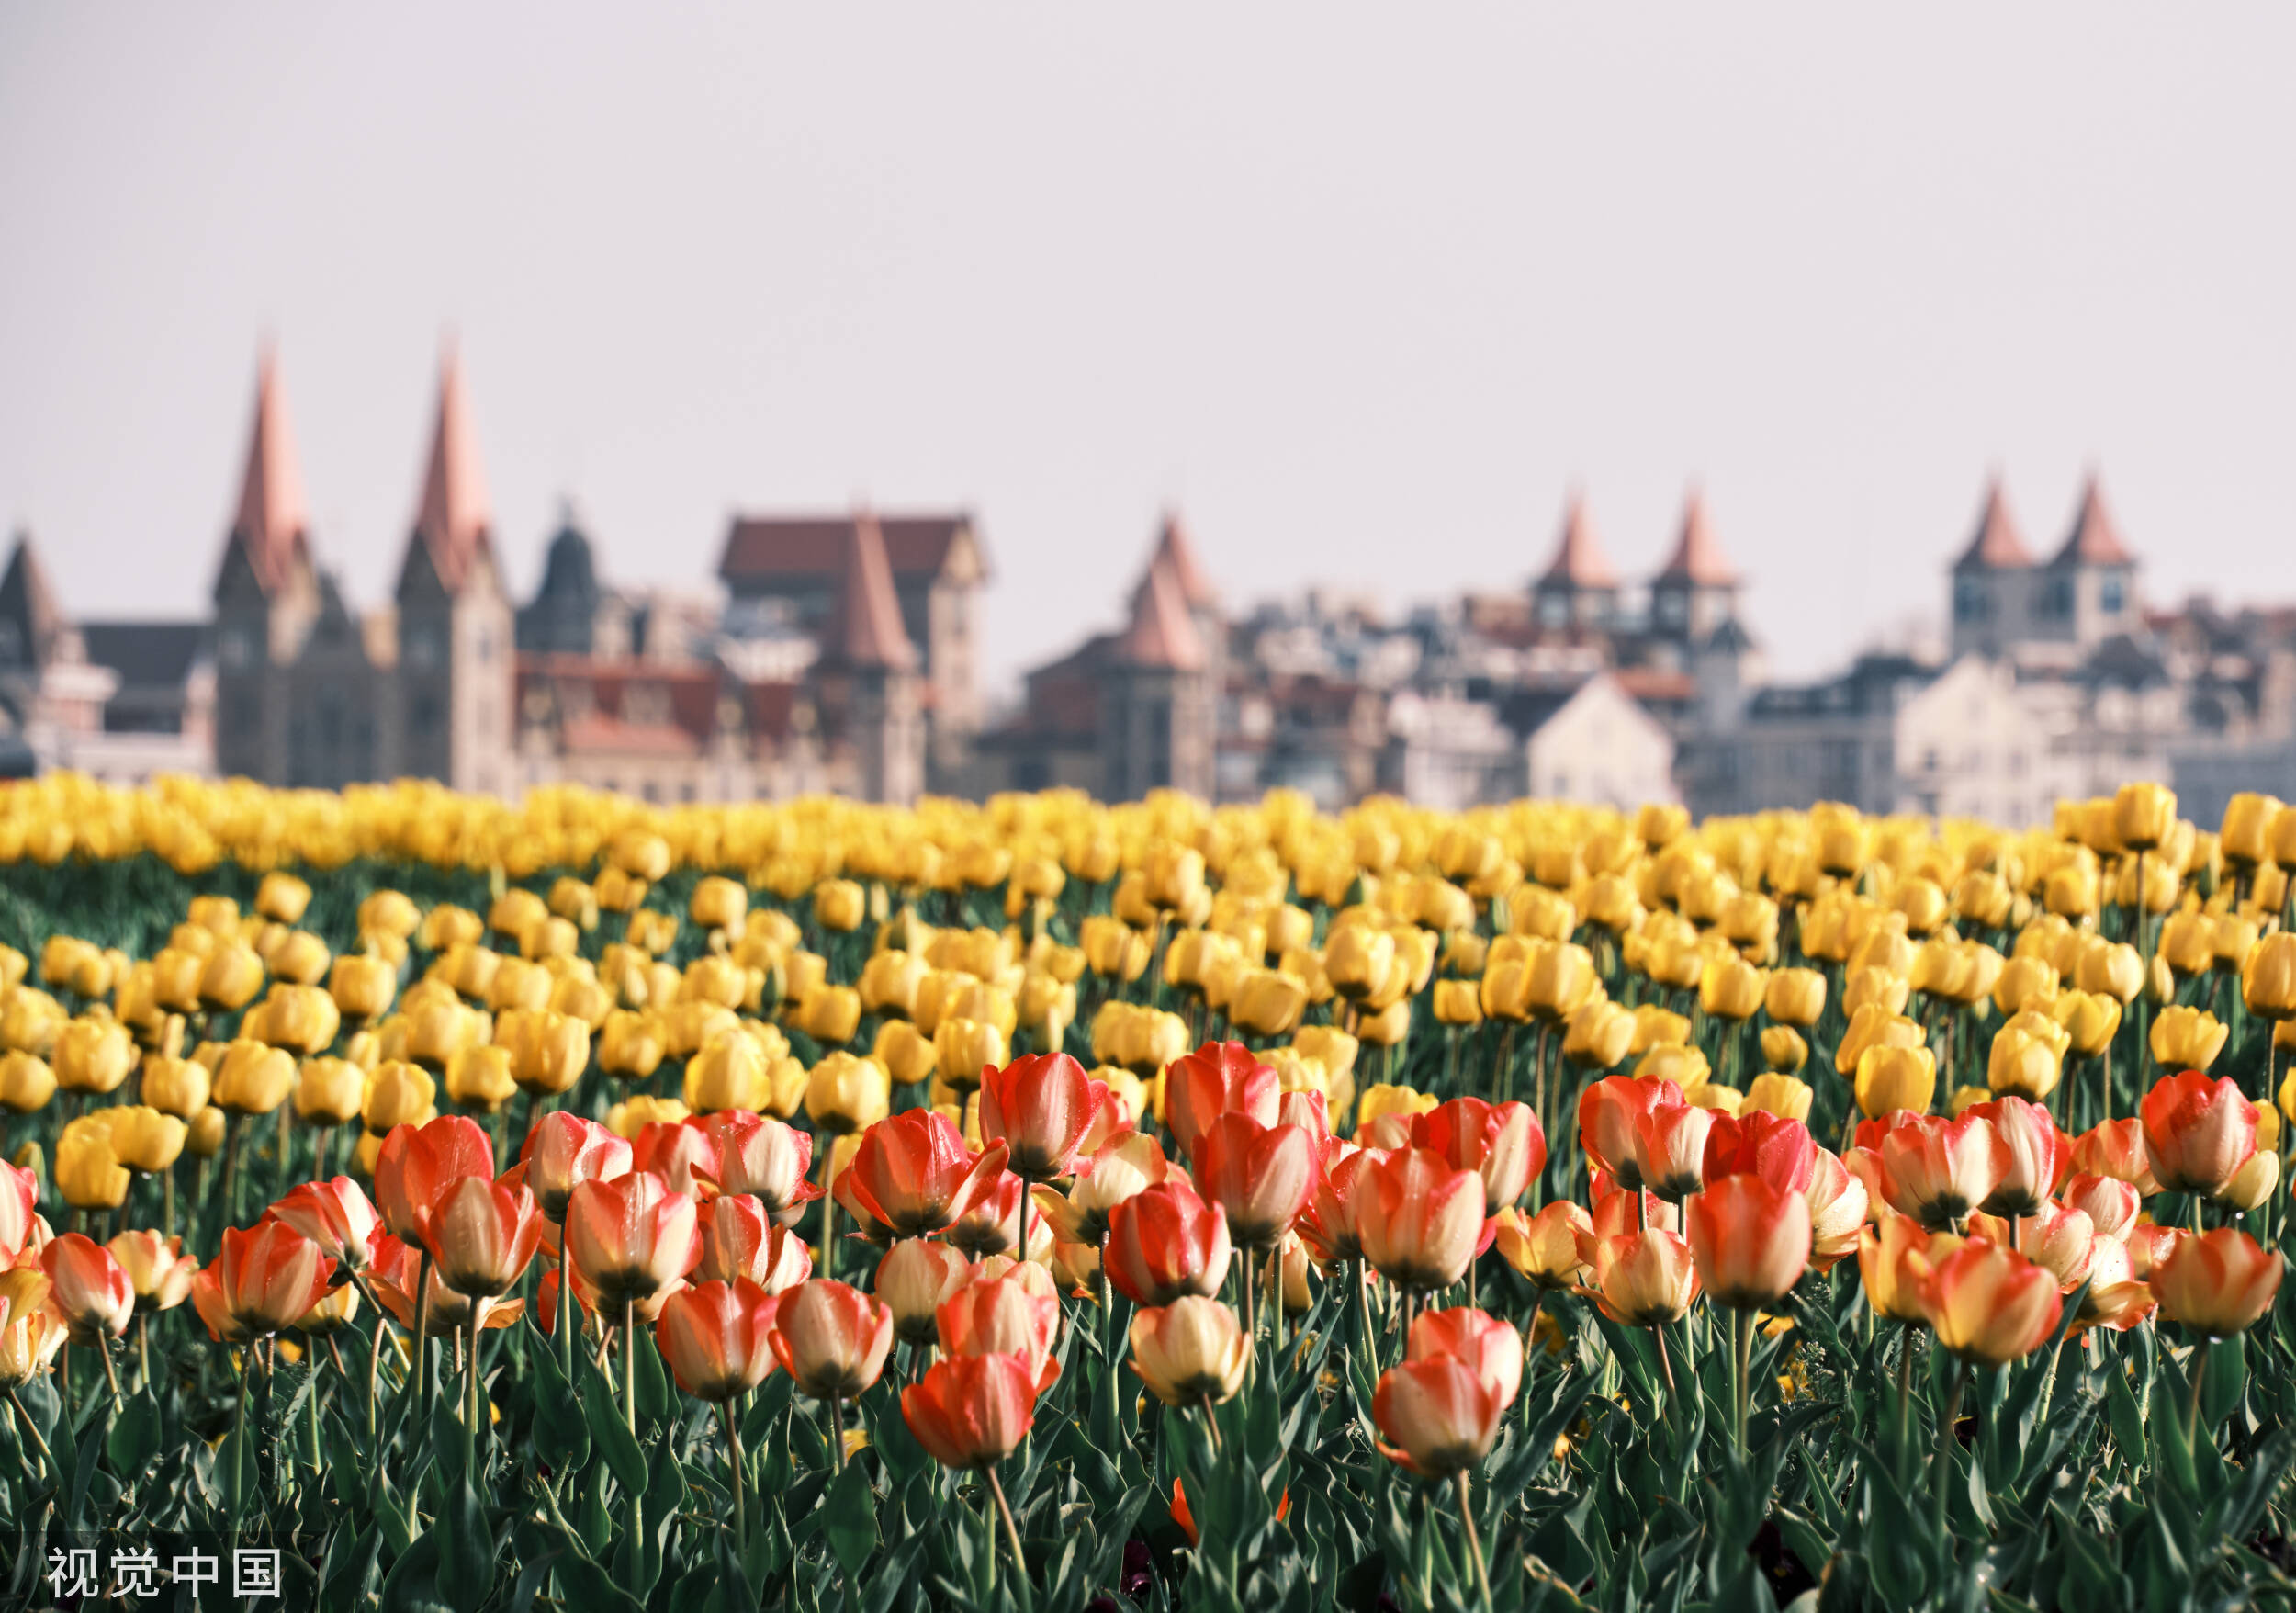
[(2087, 592), (1696, 590), (1158, 706), (867, 676), (451, 712), (1992, 581), (1579, 588), (266, 596)]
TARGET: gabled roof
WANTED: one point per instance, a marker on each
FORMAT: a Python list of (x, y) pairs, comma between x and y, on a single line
[(866, 630), (1160, 633), (272, 523), (1996, 546), (29, 604), (766, 547), (1698, 559), (2095, 539), (1176, 549), (155, 654), (453, 521), (1578, 561)]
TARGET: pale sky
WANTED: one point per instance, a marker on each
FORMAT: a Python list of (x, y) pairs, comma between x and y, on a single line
[(1363, 291)]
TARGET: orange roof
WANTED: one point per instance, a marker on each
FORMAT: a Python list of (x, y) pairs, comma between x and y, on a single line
[(453, 521), (866, 630), (1159, 633), (1579, 559), (1175, 549), (1698, 554), (1998, 546), (272, 523), (2095, 539)]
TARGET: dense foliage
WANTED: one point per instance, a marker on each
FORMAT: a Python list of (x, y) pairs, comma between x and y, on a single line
[(1532, 1208)]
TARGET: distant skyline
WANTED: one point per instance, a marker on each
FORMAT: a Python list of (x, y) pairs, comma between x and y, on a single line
[(1364, 296)]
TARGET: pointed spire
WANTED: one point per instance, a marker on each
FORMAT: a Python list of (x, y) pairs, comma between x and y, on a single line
[(1177, 552), (1160, 633), (866, 631), (1578, 561), (453, 521), (28, 604), (1998, 546), (2095, 539), (1698, 557), (272, 525)]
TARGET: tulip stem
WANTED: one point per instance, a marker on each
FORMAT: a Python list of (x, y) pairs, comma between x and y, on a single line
[(629, 1364), (478, 1314), (1666, 1370), (733, 1447), (374, 1352), (1012, 1532), (2193, 1202), (1905, 1399), (32, 1431), (1363, 1313), (2192, 1411), (422, 1331), (143, 1351), (837, 1433), (563, 1320), (111, 1372), (1251, 1316), (239, 1438), (1741, 1368), (1943, 1484), (1474, 1541), (230, 1168)]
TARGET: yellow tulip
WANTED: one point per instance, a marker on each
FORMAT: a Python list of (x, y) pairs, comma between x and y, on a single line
[(1891, 1078)]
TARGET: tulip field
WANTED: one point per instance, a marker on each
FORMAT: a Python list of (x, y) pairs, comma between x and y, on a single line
[(417, 1202)]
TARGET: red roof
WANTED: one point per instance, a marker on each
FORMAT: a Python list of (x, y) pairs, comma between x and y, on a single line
[(866, 630), (1159, 633), (1176, 551), (693, 690), (1651, 684), (1998, 546), (272, 523), (814, 546), (452, 522), (609, 736), (2095, 539), (1579, 559), (1698, 554)]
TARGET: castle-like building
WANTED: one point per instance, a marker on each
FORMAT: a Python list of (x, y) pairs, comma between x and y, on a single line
[(837, 669), (841, 653)]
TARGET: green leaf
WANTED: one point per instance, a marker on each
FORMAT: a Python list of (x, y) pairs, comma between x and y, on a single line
[(657, 1399), (561, 1431), (411, 1586), (849, 1518), (613, 1437), (135, 1436), (466, 1547)]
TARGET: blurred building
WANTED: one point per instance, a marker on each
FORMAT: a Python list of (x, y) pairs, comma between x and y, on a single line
[(810, 678), (120, 701), (1568, 687)]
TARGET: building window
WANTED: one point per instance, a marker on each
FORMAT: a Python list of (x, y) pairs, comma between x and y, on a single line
[(423, 717), (2110, 598), (235, 649), (425, 650)]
